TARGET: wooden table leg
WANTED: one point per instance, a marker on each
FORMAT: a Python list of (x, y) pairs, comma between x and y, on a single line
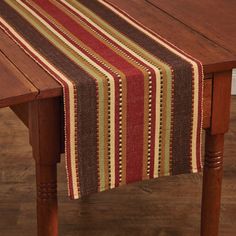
[(212, 178), (213, 165), (46, 180), (44, 125)]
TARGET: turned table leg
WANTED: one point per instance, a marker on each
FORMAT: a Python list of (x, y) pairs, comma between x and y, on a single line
[(213, 164), (212, 178), (44, 124)]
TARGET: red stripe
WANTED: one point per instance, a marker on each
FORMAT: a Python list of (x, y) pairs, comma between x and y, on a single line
[(134, 145)]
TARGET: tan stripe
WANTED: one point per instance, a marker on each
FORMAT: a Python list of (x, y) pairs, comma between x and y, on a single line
[(167, 116)]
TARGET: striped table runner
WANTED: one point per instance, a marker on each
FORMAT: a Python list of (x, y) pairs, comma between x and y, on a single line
[(132, 100)]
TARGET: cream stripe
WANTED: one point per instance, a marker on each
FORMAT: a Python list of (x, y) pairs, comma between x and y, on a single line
[(157, 129), (71, 98), (185, 57)]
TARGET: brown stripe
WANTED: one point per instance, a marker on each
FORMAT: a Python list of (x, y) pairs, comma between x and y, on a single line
[(86, 96)]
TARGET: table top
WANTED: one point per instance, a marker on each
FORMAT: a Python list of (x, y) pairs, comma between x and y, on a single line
[(206, 29), (214, 20)]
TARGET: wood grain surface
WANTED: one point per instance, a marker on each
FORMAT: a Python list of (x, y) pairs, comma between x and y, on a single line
[(205, 17), (47, 86), (161, 207), (14, 87)]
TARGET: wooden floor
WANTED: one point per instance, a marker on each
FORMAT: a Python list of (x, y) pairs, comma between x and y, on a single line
[(164, 207)]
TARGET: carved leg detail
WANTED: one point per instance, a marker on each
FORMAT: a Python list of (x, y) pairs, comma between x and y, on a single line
[(212, 178), (46, 191), (214, 159)]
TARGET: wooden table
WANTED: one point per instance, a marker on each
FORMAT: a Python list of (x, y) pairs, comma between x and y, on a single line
[(206, 29)]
